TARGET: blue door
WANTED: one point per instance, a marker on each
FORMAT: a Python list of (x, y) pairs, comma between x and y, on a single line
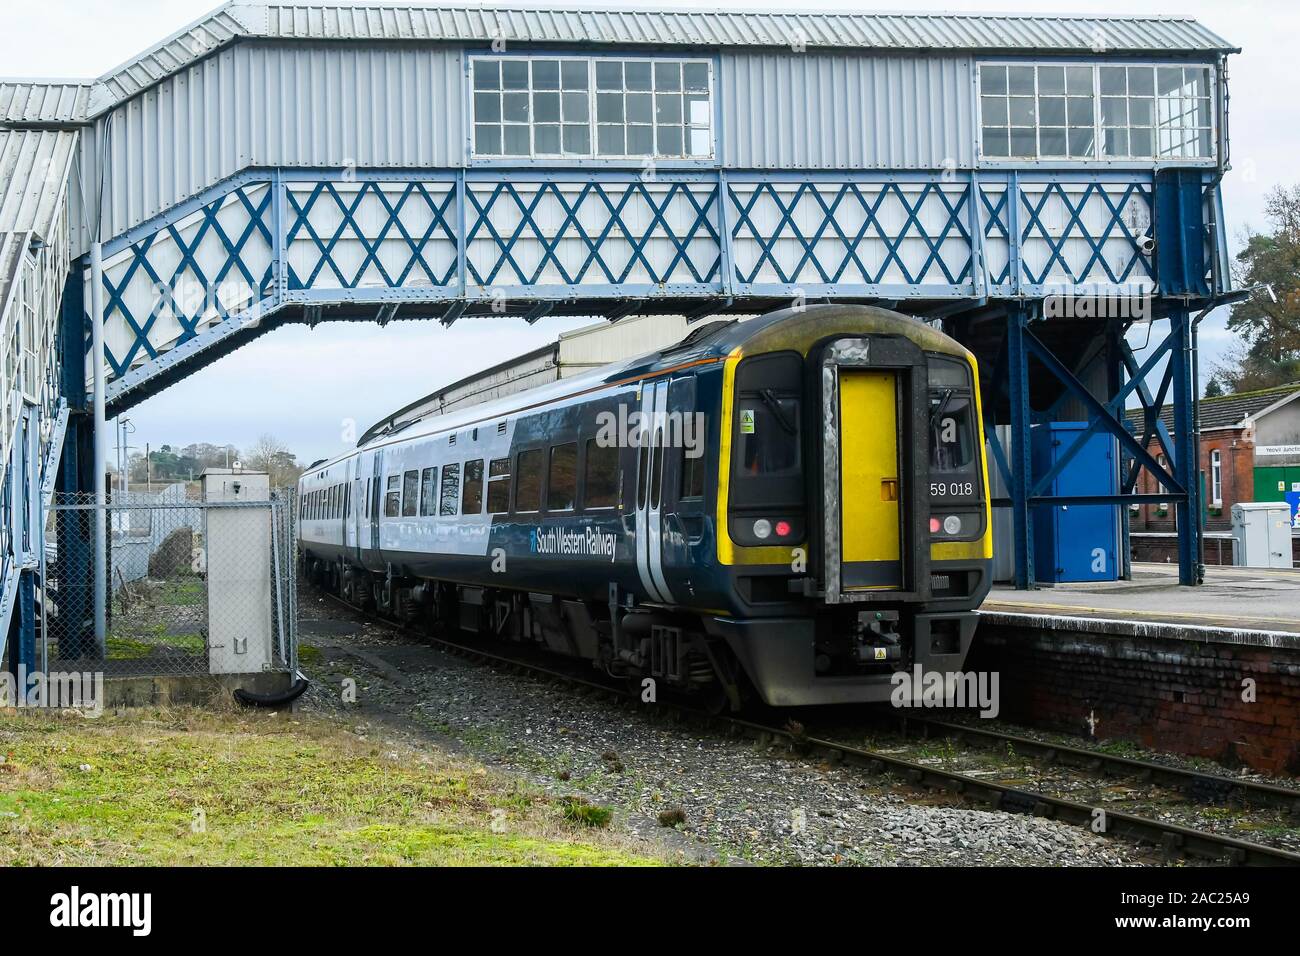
[(1076, 542)]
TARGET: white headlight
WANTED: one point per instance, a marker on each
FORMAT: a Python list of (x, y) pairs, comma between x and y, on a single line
[(762, 528), (952, 524)]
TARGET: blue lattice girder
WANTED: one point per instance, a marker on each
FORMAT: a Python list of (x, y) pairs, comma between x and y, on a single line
[(447, 236), (526, 202), (309, 202), (169, 251), (864, 197), (1056, 240)]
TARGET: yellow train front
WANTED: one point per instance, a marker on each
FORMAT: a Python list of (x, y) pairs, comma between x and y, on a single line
[(793, 506), (852, 512)]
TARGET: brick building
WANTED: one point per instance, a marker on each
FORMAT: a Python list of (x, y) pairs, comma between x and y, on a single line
[(1250, 451)]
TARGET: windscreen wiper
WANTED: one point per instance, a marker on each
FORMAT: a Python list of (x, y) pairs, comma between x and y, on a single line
[(777, 411)]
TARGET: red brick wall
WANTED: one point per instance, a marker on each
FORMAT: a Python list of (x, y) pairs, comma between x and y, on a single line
[(1238, 470), (1165, 550), (1176, 696)]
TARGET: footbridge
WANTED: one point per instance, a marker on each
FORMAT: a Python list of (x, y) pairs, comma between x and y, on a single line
[(1036, 185)]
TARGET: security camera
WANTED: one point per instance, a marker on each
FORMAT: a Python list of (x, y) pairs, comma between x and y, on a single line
[(1146, 245)]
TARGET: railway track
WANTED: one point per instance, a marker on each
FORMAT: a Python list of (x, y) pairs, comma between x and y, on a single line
[(1174, 839)]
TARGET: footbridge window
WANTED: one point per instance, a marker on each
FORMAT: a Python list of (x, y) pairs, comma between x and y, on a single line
[(592, 107), (1095, 111)]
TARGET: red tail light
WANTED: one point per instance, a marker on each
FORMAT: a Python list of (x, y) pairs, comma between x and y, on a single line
[(782, 528)]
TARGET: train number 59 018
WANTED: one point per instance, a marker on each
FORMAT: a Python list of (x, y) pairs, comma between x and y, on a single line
[(952, 489)]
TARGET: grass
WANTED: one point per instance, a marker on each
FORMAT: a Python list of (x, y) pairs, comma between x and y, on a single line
[(196, 787), (137, 645)]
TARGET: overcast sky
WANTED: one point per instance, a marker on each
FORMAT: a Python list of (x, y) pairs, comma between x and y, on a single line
[(303, 386)]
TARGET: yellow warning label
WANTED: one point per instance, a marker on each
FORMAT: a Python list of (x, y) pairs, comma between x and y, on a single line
[(747, 421)]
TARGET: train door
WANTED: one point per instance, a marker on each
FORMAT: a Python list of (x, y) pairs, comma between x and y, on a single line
[(352, 527), (869, 486), (650, 492), (681, 503), (376, 496)]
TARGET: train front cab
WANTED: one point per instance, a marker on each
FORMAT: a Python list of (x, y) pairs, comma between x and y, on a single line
[(894, 521)]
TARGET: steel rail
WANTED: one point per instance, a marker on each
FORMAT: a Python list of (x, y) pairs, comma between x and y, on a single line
[(1218, 786), (1172, 838)]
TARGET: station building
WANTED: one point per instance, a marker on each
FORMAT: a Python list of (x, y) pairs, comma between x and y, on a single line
[(1249, 451)]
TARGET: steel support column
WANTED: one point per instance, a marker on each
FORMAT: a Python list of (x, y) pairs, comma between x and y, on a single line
[(101, 441), (1186, 467), (73, 538), (1114, 382), (1021, 462)]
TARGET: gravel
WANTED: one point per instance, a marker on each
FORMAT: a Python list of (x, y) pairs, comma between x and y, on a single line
[(706, 796)]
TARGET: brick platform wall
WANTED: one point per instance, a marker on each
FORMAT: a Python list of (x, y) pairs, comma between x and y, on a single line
[(1165, 550), (1176, 696)]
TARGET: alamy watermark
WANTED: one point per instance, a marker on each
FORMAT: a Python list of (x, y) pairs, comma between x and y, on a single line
[(933, 689), (53, 690), (626, 429), (1131, 302)]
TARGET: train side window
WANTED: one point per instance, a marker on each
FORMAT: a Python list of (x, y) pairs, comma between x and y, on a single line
[(657, 473), (393, 497), (692, 475), (365, 505), (450, 489), (562, 485), (528, 486), (600, 477), (472, 501), (410, 493), (428, 481), (498, 497)]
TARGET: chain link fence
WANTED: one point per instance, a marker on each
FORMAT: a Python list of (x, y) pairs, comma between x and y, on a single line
[(191, 587)]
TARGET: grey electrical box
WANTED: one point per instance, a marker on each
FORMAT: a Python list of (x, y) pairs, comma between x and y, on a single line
[(237, 550), (1262, 530)]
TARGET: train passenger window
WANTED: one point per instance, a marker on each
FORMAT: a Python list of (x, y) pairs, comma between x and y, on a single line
[(450, 489), (393, 497), (472, 502), (428, 481), (657, 473), (365, 505), (498, 498), (692, 475), (410, 493), (347, 501), (528, 486), (562, 486), (600, 479)]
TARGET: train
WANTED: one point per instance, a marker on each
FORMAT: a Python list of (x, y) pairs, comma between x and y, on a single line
[(792, 508)]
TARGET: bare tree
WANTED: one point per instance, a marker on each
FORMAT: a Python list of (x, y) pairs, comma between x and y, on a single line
[(272, 456)]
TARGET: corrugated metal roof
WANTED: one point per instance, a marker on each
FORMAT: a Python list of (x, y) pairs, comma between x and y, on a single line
[(49, 103), (1008, 33), (883, 31), (199, 39), (34, 167)]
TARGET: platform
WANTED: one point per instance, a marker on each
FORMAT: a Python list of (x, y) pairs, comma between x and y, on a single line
[(1235, 605)]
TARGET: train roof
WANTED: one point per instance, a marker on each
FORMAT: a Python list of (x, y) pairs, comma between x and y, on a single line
[(712, 340)]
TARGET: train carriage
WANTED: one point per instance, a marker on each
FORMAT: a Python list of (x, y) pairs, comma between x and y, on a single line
[(795, 506)]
